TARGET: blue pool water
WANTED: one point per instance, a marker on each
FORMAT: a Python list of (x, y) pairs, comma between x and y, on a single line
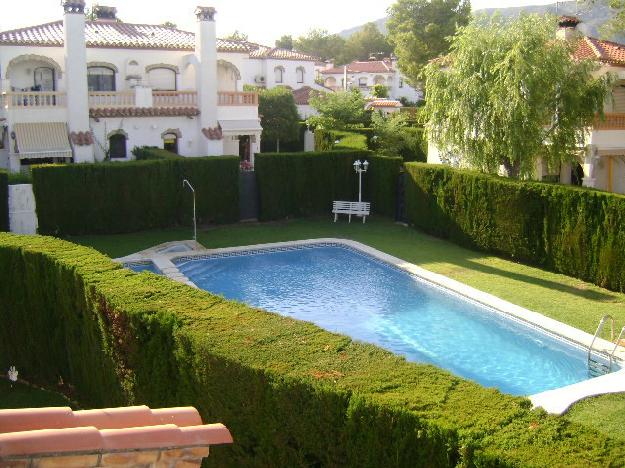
[(351, 293), (143, 266)]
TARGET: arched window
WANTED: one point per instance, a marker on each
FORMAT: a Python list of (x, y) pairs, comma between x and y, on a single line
[(162, 79), (300, 74), (100, 79), (117, 146), (279, 72)]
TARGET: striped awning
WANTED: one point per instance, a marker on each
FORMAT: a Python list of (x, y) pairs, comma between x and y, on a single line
[(240, 127), (42, 140)]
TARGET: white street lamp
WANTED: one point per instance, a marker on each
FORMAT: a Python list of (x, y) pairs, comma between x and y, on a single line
[(360, 167)]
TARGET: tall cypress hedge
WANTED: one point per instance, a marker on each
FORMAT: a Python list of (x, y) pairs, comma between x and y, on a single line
[(113, 198), (4, 201), (305, 184), (291, 393), (570, 230)]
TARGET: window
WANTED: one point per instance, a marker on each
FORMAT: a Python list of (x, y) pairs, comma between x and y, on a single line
[(162, 79), (300, 74), (619, 98), (362, 82), (279, 72), (117, 146), (101, 79)]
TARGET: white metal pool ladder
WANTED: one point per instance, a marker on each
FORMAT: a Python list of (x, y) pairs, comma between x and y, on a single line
[(595, 366)]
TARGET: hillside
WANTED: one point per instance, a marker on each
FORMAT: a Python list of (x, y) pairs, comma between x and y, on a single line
[(593, 17)]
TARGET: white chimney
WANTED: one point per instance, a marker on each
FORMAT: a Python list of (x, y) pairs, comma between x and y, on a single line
[(567, 28), (206, 53), (76, 76)]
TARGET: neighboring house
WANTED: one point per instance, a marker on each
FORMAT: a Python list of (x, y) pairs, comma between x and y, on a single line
[(384, 106), (364, 75), (85, 90), (603, 164)]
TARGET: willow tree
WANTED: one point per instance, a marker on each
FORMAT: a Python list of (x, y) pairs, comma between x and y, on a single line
[(509, 92)]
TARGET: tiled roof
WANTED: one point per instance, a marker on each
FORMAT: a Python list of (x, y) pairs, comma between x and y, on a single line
[(373, 66), (103, 112), (137, 36), (302, 95), (608, 52), (39, 432), (383, 103)]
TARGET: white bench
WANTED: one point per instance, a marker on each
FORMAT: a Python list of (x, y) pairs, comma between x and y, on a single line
[(351, 208)]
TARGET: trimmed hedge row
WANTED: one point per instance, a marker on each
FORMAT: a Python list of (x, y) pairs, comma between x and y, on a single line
[(144, 153), (291, 393), (305, 184), (569, 230), (113, 198), (4, 201)]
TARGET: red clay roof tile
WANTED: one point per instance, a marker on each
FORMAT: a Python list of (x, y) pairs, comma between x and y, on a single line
[(372, 66), (607, 52)]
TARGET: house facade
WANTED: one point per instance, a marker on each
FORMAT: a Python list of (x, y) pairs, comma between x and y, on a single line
[(85, 91), (364, 75), (602, 164)]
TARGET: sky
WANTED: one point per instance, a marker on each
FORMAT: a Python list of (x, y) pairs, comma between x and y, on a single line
[(264, 21)]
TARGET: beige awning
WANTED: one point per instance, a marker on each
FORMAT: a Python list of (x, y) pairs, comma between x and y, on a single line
[(42, 140), (240, 127)]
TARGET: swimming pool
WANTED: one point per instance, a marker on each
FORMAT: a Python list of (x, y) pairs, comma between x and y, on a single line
[(349, 292), (139, 267)]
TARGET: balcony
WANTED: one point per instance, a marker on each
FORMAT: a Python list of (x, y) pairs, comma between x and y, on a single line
[(32, 99), (174, 98), (611, 121), (106, 99), (233, 98)]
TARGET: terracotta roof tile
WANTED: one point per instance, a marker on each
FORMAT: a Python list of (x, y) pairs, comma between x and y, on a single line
[(40, 431), (103, 112), (372, 66), (137, 36), (383, 103), (608, 52), (302, 95)]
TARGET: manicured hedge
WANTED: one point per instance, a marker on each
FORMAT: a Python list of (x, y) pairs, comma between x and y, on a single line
[(125, 197), (574, 231), (291, 393), (144, 153), (305, 184), (4, 201)]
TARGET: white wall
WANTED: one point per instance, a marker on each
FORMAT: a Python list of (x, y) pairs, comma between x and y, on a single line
[(22, 215)]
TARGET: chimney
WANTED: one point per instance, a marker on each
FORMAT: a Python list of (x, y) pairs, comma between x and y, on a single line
[(567, 28), (206, 53), (105, 14), (76, 75)]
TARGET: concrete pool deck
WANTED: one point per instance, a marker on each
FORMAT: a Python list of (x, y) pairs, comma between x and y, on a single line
[(555, 401)]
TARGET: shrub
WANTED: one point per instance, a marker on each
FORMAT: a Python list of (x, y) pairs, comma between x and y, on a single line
[(570, 230), (291, 393), (4, 201), (125, 197), (305, 184), (330, 140), (395, 135), (144, 153)]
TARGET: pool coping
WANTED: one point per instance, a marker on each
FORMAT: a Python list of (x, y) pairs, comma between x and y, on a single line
[(555, 401)]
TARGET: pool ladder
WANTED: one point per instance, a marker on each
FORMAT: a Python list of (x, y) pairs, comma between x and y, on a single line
[(597, 367)]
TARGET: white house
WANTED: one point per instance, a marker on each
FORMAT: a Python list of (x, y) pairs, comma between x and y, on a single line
[(603, 163), (86, 90), (364, 75)]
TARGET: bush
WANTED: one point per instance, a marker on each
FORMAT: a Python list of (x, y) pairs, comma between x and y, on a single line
[(269, 146), (305, 184), (146, 153), (569, 230), (4, 201), (331, 140), (291, 393), (113, 198)]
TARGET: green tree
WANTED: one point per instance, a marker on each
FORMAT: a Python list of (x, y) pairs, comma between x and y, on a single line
[(285, 42), (320, 43), (379, 91), (418, 29), (395, 135), (509, 93), (365, 43), (339, 111), (237, 36), (279, 116)]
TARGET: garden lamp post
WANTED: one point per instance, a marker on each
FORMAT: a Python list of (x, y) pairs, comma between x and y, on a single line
[(187, 183), (360, 167)]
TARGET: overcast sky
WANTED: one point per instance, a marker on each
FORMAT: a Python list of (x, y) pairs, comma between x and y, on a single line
[(264, 21)]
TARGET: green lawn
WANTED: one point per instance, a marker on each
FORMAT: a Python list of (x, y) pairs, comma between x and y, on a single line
[(605, 413), (561, 297), (19, 395)]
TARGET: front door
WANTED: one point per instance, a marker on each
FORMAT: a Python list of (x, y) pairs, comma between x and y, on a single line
[(244, 147), (170, 143)]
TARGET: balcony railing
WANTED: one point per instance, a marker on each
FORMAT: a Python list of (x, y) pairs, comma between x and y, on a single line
[(174, 98), (111, 99), (611, 121), (30, 99), (231, 98)]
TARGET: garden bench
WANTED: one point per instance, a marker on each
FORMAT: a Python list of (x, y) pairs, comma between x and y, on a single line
[(351, 208)]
